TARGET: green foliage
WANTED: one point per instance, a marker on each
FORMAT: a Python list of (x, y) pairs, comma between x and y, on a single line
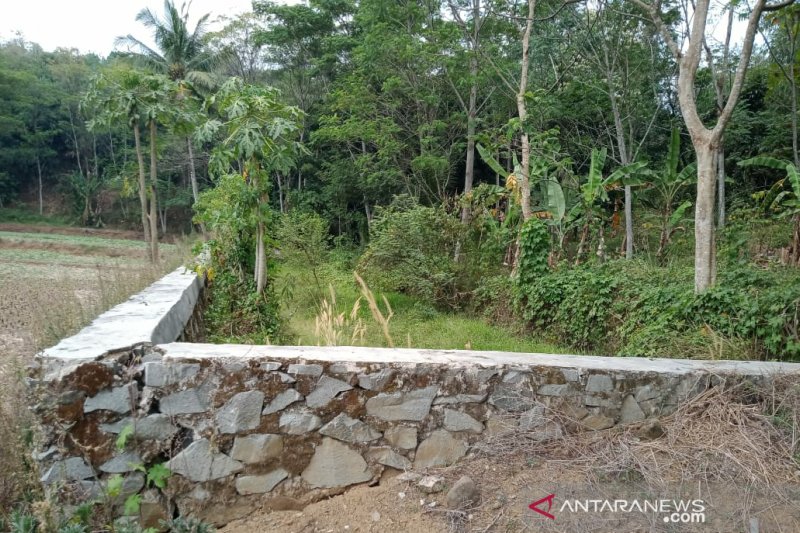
[(534, 247), (132, 505), (123, 437), (412, 251), (633, 309), (157, 475), (236, 313)]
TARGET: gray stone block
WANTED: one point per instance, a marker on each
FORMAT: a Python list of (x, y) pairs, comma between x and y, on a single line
[(349, 430), (459, 399), (257, 448), (386, 456), (458, 421), (120, 464), (199, 462), (630, 412), (305, 370), (376, 381), (240, 413), (118, 400), (327, 388), (161, 375), (298, 422), (70, 469), (189, 401), (599, 383), (281, 401), (334, 464), (401, 437), (413, 405), (440, 449), (260, 484)]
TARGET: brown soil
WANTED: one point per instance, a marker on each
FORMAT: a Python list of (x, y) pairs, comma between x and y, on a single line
[(507, 490)]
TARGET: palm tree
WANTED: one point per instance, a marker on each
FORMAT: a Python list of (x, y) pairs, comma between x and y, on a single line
[(181, 55)]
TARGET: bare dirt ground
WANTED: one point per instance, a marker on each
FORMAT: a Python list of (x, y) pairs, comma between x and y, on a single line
[(722, 451)]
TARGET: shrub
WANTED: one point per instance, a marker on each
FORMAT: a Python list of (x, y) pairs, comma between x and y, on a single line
[(630, 308), (412, 251)]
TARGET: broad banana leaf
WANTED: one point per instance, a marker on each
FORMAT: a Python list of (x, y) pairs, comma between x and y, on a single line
[(764, 161), (593, 188), (688, 174), (677, 215), (556, 204), (490, 160), (674, 153), (627, 175)]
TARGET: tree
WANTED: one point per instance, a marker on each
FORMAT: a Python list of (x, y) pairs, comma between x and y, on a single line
[(618, 46), (706, 140), (260, 137), (470, 27), (136, 99), (181, 56)]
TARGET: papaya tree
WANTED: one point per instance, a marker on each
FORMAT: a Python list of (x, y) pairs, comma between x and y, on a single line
[(258, 137), (127, 95)]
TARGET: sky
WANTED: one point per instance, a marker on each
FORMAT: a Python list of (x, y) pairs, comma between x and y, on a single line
[(92, 25)]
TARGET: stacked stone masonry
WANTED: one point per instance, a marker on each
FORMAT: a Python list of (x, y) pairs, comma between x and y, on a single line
[(243, 426)]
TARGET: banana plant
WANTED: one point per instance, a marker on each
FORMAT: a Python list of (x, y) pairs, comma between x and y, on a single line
[(779, 200), (594, 192), (553, 203), (667, 185)]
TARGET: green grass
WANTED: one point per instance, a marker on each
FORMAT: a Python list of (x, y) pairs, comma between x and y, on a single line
[(414, 324), (79, 240), (26, 216), (60, 258)]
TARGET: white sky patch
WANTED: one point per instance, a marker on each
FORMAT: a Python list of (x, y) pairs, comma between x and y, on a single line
[(92, 25)]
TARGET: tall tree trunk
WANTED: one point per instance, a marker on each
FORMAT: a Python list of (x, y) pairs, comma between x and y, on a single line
[(193, 180), (153, 193), (721, 215), (704, 260), (142, 183), (472, 107), (522, 111), (39, 170), (279, 179), (793, 85), (75, 142), (260, 270), (624, 159), (469, 172)]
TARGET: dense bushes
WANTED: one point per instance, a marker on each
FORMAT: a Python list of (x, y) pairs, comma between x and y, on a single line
[(412, 251), (631, 308)]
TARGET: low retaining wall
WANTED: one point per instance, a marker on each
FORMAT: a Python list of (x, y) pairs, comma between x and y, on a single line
[(243, 426)]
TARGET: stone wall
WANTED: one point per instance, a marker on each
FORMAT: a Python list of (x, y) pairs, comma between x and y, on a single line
[(243, 426)]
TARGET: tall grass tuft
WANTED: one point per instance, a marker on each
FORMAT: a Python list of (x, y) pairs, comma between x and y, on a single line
[(331, 326), (375, 310)]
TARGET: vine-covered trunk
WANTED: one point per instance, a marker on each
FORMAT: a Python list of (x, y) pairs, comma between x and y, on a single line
[(153, 194), (137, 139), (795, 258)]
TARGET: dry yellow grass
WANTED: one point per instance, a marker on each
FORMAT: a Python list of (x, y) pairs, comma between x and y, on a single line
[(42, 302)]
